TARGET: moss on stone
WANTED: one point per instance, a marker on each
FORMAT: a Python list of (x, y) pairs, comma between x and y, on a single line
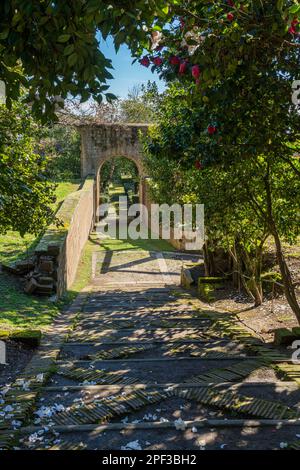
[(4, 334), (283, 337), (210, 280), (30, 338)]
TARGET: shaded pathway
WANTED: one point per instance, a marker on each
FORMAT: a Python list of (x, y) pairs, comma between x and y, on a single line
[(146, 366)]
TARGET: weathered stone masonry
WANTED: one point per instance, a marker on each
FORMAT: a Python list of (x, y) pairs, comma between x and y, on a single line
[(101, 142), (54, 265)]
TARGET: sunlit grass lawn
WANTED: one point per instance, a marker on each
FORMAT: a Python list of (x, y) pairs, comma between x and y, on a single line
[(18, 310), (128, 244)]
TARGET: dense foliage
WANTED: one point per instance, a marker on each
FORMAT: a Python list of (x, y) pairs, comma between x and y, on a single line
[(245, 202), (57, 44), (25, 193), (237, 62), (62, 146), (142, 104), (240, 59)]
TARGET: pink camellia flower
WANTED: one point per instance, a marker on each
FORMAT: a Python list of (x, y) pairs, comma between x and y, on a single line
[(145, 61), (182, 67), (196, 71), (157, 61), (230, 16), (174, 60), (211, 129)]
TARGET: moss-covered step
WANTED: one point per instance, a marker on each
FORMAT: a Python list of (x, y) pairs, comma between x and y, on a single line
[(207, 286), (4, 334), (285, 337), (30, 338)]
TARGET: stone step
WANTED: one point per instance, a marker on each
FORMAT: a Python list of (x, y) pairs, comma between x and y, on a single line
[(290, 386), (131, 323), (125, 360), (206, 423)]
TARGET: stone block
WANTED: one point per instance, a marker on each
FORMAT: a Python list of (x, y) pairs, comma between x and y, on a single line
[(53, 249), (31, 338), (31, 286), (46, 265), (186, 279), (45, 280), (44, 289), (284, 337)]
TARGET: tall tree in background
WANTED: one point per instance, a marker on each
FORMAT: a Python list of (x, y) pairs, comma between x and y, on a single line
[(142, 104)]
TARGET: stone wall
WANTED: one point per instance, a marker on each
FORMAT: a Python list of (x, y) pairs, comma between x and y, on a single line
[(101, 142), (58, 253)]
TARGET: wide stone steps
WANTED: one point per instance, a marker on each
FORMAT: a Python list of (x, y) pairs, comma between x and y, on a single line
[(145, 367)]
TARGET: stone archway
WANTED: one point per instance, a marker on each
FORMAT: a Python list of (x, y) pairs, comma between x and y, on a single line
[(102, 142)]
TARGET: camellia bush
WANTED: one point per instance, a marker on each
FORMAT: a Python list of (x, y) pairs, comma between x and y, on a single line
[(238, 61), (241, 59), (246, 202)]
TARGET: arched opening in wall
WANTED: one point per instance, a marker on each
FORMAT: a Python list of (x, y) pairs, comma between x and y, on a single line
[(119, 176)]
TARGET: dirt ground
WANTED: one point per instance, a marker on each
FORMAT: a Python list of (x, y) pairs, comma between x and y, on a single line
[(274, 312)]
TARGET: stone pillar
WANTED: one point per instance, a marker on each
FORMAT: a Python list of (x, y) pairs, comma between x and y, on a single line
[(86, 153)]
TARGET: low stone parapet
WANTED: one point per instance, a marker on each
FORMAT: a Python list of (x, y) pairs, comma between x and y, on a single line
[(57, 255)]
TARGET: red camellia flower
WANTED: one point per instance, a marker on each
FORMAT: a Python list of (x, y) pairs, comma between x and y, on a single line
[(145, 61), (230, 16), (211, 129), (198, 165), (294, 24), (182, 67), (182, 23), (174, 60), (196, 71), (230, 3), (157, 61)]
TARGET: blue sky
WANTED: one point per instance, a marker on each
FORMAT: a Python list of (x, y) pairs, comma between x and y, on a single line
[(125, 74)]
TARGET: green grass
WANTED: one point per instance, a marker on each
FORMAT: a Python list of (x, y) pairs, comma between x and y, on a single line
[(147, 245), (63, 189), (18, 310), (13, 246)]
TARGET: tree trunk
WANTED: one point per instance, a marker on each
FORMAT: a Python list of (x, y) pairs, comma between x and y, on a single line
[(249, 272), (289, 289)]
